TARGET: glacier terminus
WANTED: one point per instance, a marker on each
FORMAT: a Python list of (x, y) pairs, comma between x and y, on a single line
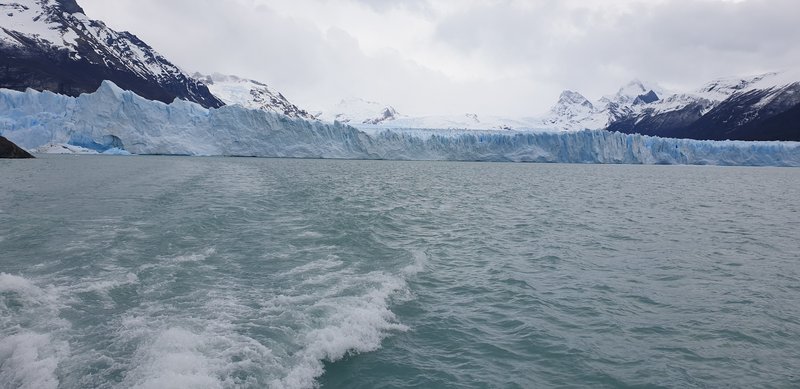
[(112, 120)]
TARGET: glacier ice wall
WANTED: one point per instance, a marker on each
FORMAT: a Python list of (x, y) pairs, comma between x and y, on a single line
[(113, 118)]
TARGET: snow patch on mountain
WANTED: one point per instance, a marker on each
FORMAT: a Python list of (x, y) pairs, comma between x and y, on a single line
[(628, 94), (251, 94), (31, 19), (468, 121), (356, 111), (367, 114)]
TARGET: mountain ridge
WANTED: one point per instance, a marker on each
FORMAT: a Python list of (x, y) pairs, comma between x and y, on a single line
[(52, 45)]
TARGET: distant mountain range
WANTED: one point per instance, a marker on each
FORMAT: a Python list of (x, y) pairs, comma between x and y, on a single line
[(52, 45), (763, 107)]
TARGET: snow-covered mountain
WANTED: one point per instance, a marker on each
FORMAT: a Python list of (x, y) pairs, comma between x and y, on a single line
[(356, 111), (635, 92), (762, 107), (52, 45), (250, 94), (574, 112), (367, 114), (467, 121)]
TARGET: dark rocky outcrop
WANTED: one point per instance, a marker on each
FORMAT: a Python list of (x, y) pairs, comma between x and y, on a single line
[(9, 150)]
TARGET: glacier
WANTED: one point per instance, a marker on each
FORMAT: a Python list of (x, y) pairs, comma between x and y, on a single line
[(112, 119)]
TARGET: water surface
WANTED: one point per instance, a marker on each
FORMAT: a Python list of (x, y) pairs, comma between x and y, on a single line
[(154, 272)]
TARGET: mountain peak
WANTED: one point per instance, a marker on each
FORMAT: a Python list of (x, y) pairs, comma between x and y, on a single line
[(569, 97), (632, 89), (647, 98), (68, 6), (630, 92)]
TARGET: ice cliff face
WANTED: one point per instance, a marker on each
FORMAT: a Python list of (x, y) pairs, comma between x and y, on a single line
[(115, 119), (52, 45)]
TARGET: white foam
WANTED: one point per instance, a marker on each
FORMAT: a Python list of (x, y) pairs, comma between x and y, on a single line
[(194, 257), (332, 311), (192, 352), (30, 360), (17, 284), (175, 359), (309, 234), (324, 265), (352, 324), (29, 354), (103, 286), (24, 289), (420, 261)]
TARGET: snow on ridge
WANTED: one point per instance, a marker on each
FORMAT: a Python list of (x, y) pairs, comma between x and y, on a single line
[(356, 111), (49, 23), (115, 119), (722, 88), (251, 94), (31, 18), (628, 93)]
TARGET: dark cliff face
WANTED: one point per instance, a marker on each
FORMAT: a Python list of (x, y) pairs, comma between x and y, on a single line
[(770, 114), (669, 124), (98, 53), (9, 150), (755, 115), (69, 6)]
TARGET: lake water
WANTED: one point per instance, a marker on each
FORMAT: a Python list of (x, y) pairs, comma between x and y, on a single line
[(178, 272)]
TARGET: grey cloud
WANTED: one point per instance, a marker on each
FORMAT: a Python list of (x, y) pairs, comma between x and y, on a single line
[(385, 5), (541, 49), (679, 42)]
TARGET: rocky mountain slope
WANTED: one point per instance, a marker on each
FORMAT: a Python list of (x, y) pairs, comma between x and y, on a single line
[(52, 45)]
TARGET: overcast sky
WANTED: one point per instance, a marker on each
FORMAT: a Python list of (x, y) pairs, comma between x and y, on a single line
[(504, 57)]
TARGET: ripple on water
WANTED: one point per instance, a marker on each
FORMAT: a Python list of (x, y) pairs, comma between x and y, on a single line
[(245, 273)]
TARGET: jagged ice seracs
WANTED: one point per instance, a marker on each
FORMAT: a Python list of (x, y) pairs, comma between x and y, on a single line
[(114, 119)]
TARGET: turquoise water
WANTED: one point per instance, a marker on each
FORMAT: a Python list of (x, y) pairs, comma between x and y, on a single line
[(156, 272)]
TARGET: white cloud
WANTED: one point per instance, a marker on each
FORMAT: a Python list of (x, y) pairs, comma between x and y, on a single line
[(435, 56)]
